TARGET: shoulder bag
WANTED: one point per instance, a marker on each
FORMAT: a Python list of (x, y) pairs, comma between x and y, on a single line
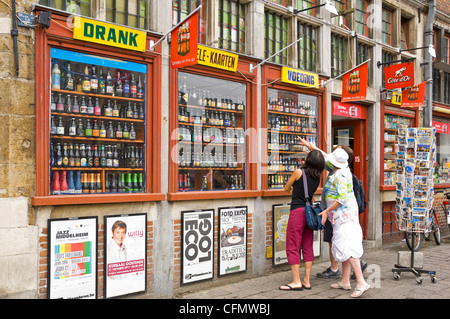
[(312, 210)]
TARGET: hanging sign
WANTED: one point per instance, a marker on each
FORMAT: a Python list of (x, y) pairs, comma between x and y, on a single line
[(109, 34), (183, 48), (441, 127), (347, 110), (354, 84), (294, 76), (217, 58), (399, 75), (396, 98), (414, 96)]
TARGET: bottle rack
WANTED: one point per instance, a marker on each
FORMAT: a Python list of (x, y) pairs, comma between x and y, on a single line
[(290, 117), (104, 134)]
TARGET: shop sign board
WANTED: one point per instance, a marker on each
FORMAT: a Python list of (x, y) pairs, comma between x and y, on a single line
[(217, 58), (299, 77), (414, 96), (125, 254), (109, 34), (399, 75), (197, 245), (354, 84), (441, 127), (347, 110), (396, 98), (233, 240), (72, 258), (183, 47)]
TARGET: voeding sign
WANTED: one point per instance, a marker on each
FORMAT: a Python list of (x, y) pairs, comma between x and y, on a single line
[(399, 75)]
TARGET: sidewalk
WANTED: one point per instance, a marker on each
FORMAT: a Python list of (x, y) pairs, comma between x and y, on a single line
[(378, 273)]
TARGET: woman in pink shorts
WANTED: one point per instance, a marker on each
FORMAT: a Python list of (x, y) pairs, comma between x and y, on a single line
[(298, 235)]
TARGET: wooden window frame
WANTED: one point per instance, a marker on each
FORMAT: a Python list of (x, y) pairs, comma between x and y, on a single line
[(341, 57), (282, 57), (390, 22), (240, 48), (127, 14), (312, 54)]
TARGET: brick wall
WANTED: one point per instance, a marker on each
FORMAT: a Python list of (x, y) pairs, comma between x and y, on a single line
[(43, 261), (443, 5)]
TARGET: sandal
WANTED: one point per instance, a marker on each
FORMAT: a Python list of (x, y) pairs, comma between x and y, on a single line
[(291, 288), (338, 285), (359, 291)]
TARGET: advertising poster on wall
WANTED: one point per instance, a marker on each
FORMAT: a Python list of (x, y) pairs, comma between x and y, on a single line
[(125, 254), (72, 258), (232, 240), (280, 221), (354, 84), (183, 48), (197, 243)]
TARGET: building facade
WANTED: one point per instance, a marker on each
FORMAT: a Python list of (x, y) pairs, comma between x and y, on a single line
[(100, 128)]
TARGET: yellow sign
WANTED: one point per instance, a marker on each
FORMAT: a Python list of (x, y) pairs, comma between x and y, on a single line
[(299, 77), (109, 34), (396, 98), (217, 58)]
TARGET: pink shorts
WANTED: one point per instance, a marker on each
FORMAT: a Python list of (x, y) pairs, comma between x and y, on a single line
[(298, 236)]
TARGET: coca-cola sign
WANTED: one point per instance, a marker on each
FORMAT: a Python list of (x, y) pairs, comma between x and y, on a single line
[(399, 75)]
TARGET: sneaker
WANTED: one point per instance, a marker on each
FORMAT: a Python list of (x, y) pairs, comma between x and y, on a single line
[(329, 274), (363, 267)]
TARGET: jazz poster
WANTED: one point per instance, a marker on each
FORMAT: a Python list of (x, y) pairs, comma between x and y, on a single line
[(197, 242), (354, 84), (125, 254), (232, 240), (183, 46), (72, 258), (280, 217)]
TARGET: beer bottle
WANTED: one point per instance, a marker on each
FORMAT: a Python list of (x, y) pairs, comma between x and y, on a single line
[(73, 128), (58, 155), (95, 129), (110, 130), (140, 89), (83, 106), (92, 184), (126, 87), (53, 126), (52, 103), (98, 183), (141, 111), (89, 156), (56, 77), (94, 81), (102, 130), (102, 156), (141, 183), (135, 111), (119, 85), (97, 108), (115, 157), (109, 84), (113, 185), (80, 128), (83, 159), (109, 161), (119, 132), (96, 157), (60, 129), (121, 184), (108, 183), (126, 132), (71, 156), (132, 132), (135, 185), (75, 106), (60, 104), (115, 110), (77, 156), (69, 79), (65, 156), (108, 109), (133, 87), (128, 184), (78, 184), (85, 183), (101, 83), (86, 81), (79, 84), (129, 111), (88, 129), (56, 187), (63, 182), (90, 106)]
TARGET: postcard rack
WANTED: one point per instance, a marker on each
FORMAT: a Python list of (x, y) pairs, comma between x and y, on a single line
[(416, 155)]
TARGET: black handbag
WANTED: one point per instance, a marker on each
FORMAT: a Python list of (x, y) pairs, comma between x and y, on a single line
[(312, 210)]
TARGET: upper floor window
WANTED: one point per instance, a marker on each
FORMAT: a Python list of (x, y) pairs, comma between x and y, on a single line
[(282, 2), (129, 13), (81, 7), (182, 8), (232, 25), (446, 49), (361, 15), (363, 53), (405, 34), (386, 57), (340, 6), (446, 88), (305, 4), (338, 55), (386, 26), (276, 33), (307, 47)]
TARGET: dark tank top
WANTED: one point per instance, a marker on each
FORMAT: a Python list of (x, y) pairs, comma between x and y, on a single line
[(298, 192)]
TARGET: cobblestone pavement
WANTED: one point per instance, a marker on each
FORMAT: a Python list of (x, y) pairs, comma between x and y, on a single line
[(379, 274)]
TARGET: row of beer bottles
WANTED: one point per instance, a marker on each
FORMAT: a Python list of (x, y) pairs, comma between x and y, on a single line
[(292, 124), (227, 182), (211, 135), (290, 105), (86, 155), (205, 117), (71, 182), (89, 106), (92, 128), (216, 158), (126, 85), (277, 181)]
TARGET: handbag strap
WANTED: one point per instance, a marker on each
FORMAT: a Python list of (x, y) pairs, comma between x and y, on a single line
[(305, 185)]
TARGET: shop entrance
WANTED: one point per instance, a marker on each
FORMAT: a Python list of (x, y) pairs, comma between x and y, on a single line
[(353, 133)]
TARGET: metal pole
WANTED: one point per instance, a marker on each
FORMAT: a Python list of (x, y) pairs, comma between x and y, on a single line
[(428, 110)]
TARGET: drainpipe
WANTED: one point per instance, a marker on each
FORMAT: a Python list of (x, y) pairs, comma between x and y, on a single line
[(14, 34), (429, 35)]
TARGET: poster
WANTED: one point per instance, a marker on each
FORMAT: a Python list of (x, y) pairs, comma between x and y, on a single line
[(183, 47), (232, 240), (125, 254), (197, 235), (280, 221), (72, 258), (354, 84), (414, 96)]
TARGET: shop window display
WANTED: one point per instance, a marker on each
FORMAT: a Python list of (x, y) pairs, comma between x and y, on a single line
[(442, 171), (291, 116), (97, 132), (211, 149)]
